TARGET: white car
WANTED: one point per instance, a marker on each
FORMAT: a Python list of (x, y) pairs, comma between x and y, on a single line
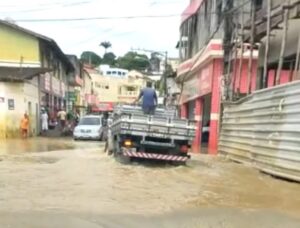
[(89, 127)]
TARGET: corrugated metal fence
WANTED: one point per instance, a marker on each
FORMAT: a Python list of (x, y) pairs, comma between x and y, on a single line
[(263, 130)]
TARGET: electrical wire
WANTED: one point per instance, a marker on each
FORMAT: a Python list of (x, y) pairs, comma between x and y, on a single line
[(120, 17), (48, 7), (97, 18)]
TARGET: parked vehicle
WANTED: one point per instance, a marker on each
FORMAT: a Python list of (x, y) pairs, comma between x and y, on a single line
[(162, 136), (89, 127)]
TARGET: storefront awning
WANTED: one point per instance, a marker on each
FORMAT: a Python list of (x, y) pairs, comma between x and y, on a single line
[(191, 10), (20, 74)]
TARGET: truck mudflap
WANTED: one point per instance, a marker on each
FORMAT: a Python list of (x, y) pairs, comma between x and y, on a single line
[(131, 152)]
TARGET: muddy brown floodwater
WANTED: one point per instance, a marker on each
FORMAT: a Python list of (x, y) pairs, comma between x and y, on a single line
[(74, 184)]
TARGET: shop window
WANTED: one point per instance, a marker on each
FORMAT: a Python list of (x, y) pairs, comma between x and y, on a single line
[(131, 88)]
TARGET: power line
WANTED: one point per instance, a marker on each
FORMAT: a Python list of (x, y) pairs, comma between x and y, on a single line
[(45, 7), (233, 10), (96, 18)]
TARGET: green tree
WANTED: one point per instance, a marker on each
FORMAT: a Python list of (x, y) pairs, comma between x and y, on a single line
[(133, 61), (109, 58), (90, 58), (105, 45)]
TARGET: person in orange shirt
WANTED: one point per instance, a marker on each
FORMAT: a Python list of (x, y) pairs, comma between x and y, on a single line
[(25, 126)]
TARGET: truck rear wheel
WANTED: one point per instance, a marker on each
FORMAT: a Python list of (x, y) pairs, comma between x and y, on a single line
[(119, 156)]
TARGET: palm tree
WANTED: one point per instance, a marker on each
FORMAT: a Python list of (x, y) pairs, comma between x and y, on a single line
[(106, 45)]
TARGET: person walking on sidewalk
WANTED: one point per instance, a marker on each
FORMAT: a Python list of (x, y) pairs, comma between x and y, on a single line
[(62, 118), (25, 126), (44, 118)]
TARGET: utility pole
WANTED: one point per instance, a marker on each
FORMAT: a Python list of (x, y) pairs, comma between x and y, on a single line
[(227, 45), (252, 34), (295, 76), (283, 42), (165, 76), (238, 80), (267, 49)]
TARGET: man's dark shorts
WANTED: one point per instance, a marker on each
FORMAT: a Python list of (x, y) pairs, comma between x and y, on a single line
[(149, 110)]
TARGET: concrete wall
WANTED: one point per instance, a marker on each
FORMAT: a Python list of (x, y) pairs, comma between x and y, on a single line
[(25, 96), (17, 46)]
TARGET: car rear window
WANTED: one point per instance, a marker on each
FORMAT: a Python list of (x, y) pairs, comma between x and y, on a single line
[(89, 121)]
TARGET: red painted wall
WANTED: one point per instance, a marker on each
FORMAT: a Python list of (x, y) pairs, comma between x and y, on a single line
[(284, 77), (183, 111), (215, 107), (242, 82)]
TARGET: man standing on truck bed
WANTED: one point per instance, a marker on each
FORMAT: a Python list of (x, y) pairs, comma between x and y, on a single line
[(149, 99)]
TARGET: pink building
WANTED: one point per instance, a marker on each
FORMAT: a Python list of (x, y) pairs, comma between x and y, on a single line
[(201, 71)]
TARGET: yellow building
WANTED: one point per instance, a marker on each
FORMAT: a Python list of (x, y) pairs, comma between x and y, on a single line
[(24, 56), (110, 89)]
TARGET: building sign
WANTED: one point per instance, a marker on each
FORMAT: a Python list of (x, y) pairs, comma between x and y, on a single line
[(11, 104), (90, 99), (63, 89), (71, 96), (190, 90), (205, 81), (47, 82), (199, 85), (56, 86), (104, 107)]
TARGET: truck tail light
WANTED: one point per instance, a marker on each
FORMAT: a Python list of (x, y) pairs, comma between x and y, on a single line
[(128, 143), (184, 149)]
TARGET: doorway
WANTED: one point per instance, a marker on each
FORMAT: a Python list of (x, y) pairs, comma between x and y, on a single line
[(205, 123)]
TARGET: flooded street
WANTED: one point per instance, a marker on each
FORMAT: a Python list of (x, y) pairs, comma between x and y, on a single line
[(74, 184)]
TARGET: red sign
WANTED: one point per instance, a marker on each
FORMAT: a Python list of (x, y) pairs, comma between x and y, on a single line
[(91, 99), (56, 86), (185, 67), (205, 81), (47, 81), (199, 85), (104, 107)]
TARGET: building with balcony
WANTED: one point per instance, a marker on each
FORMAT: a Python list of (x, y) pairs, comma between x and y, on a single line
[(110, 90), (200, 72), (33, 74), (80, 92)]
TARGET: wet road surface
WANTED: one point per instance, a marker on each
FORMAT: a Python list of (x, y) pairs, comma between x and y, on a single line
[(77, 185)]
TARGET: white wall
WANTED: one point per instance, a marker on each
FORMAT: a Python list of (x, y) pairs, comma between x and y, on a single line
[(22, 94)]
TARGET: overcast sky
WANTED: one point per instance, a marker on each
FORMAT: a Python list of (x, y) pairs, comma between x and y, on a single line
[(76, 36)]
